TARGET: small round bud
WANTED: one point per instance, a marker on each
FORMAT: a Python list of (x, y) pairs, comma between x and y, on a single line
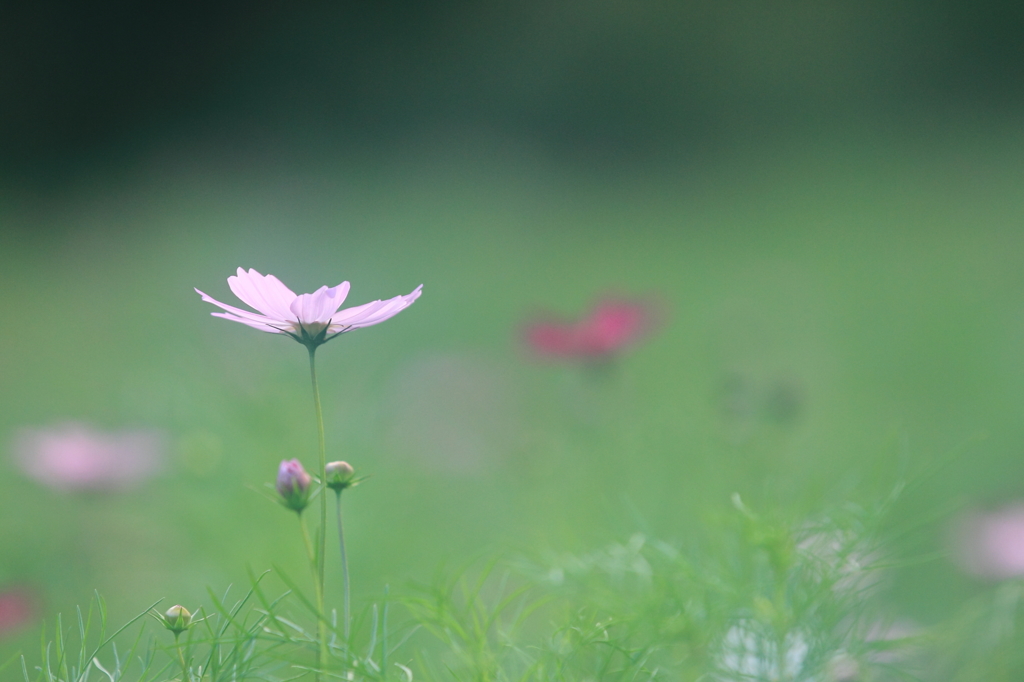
[(293, 484), (177, 619), (340, 475)]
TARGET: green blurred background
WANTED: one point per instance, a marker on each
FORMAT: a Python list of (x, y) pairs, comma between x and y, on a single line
[(822, 199)]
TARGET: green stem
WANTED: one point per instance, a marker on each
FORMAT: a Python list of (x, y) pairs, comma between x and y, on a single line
[(344, 569), (322, 536), (181, 658), (384, 634), (321, 626), (310, 554)]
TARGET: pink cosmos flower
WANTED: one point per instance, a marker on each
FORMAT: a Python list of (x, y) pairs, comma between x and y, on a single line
[(17, 609), (73, 456), (991, 545), (611, 326), (293, 484), (310, 319)]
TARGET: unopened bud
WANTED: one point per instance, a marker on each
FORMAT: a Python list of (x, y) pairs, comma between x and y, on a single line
[(177, 619), (340, 475), (293, 484)]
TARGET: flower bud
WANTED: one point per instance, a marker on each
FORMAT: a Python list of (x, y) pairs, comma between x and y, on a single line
[(293, 484), (340, 475), (177, 619)]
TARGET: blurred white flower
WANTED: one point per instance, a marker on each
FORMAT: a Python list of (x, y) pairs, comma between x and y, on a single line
[(898, 634), (751, 652), (991, 544), (73, 456), (842, 557), (310, 319)]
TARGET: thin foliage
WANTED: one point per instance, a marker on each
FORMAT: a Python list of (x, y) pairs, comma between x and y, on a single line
[(763, 598)]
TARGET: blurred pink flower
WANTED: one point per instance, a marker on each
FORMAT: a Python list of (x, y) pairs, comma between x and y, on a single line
[(991, 545), (610, 327), (293, 484), (17, 609), (72, 456), (310, 319)]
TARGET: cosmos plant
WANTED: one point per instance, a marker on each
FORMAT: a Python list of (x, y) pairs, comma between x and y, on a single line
[(312, 320)]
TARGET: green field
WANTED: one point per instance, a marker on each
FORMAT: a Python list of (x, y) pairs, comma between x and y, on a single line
[(874, 284)]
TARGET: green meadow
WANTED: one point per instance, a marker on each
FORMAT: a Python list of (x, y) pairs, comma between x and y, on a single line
[(838, 316)]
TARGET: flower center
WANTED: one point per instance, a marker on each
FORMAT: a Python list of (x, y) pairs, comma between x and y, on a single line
[(311, 328), (311, 334)]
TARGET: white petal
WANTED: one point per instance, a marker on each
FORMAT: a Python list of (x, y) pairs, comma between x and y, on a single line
[(276, 287), (350, 315), (315, 305), (384, 313), (244, 314), (373, 313), (303, 309), (320, 305), (331, 299), (266, 294), (248, 290), (263, 327)]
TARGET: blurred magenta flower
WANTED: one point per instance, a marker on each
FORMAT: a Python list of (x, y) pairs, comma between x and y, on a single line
[(293, 484), (73, 456), (991, 544), (611, 326), (17, 609), (310, 319)]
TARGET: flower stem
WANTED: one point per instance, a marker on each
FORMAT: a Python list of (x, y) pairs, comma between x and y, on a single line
[(344, 569), (321, 627), (310, 554), (322, 535), (185, 677)]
